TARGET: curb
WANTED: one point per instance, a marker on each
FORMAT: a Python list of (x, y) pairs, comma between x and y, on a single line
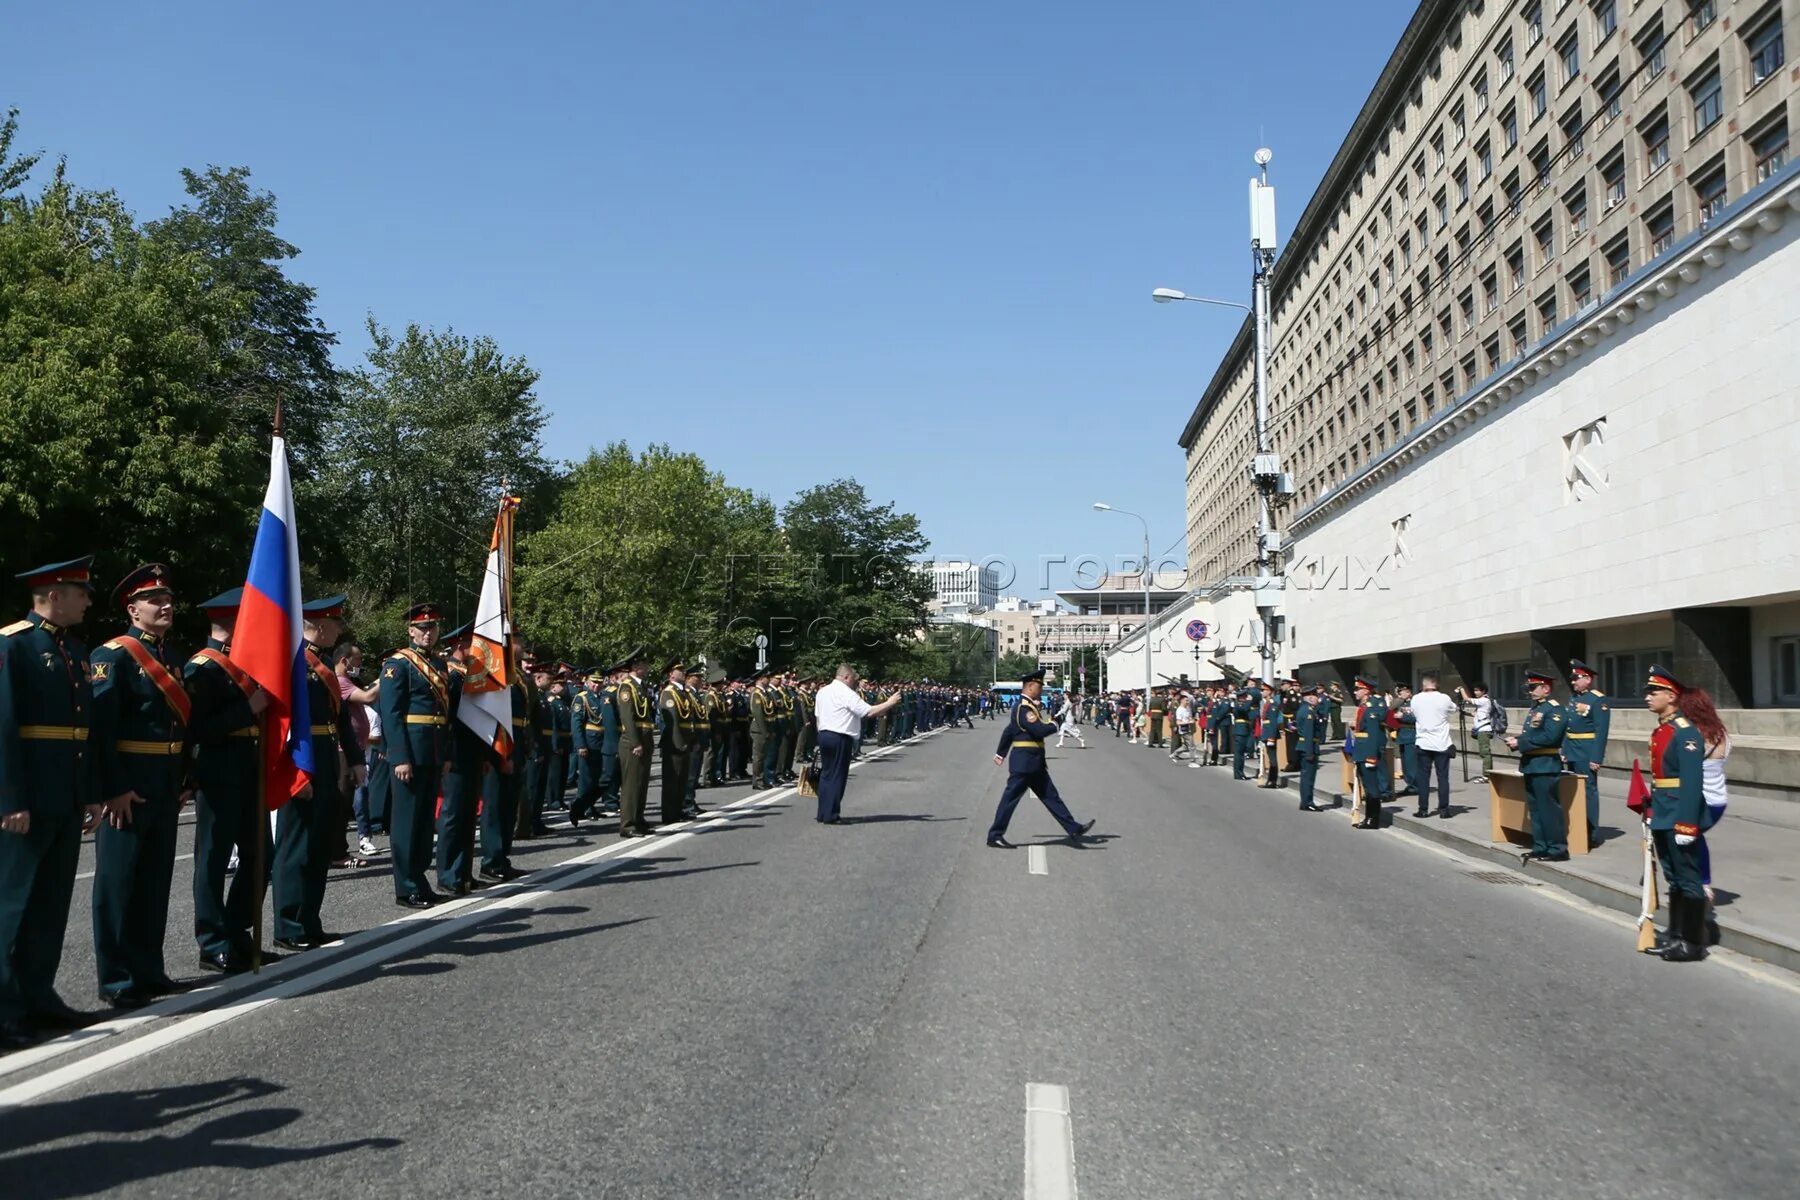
[(1748, 940)]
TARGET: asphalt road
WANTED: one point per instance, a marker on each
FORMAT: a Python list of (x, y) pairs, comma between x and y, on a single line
[(1236, 999)]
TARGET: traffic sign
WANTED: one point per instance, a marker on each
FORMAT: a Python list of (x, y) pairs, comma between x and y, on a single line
[(1196, 631)]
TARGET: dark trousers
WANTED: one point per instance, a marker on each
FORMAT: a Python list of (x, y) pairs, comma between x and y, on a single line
[(1240, 748), (1309, 774), (674, 783), (634, 788), (531, 795), (556, 774), (770, 760), (381, 788), (1549, 832), (834, 771), (1370, 778), (456, 824), (499, 814), (696, 760), (37, 878), (1040, 784), (225, 906), (414, 824), (588, 788), (1434, 762), (1591, 773), (759, 753), (302, 863), (610, 778), (1680, 864), (1409, 767), (134, 869)]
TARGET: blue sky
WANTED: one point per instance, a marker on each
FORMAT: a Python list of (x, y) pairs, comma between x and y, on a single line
[(910, 243)]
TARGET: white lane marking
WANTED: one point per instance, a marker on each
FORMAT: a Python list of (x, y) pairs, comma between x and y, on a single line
[(90, 874), (1037, 860), (1049, 1143), (298, 974)]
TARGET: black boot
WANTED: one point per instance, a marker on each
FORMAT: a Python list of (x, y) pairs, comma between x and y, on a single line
[(1712, 925), (1686, 920)]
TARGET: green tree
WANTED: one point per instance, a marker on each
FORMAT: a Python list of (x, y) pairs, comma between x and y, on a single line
[(414, 458), (1013, 666), (651, 550)]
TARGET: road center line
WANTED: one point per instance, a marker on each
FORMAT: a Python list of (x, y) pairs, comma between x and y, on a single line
[(1037, 860), (299, 974), (1049, 1143)]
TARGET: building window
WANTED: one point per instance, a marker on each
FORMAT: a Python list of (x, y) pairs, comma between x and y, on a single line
[(1509, 126), (1606, 19), (1466, 302), (1655, 133), (1437, 151), (1709, 101), (1506, 682), (1627, 670), (1612, 174), (1503, 54), (1448, 383), (1768, 53), (1570, 54), (1513, 191), (1490, 291), (1540, 163), (1480, 88), (1442, 203), (1515, 268), (1608, 90), (1784, 677), (1659, 226), (1425, 342), (1652, 52), (1540, 95), (1572, 128), (1462, 186), (1709, 193), (1581, 288), (1520, 337), (1484, 158), (1459, 126), (1702, 13), (1544, 233), (1534, 24), (1546, 309), (1618, 260), (1491, 348), (1468, 371), (1575, 202), (1770, 145)]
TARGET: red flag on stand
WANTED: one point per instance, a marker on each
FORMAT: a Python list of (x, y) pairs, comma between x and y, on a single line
[(1638, 798)]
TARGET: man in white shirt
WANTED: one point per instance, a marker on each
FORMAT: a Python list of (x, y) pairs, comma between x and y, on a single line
[(840, 712), (1432, 711)]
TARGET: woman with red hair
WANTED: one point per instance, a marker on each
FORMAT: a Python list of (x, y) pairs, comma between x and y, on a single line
[(1698, 708)]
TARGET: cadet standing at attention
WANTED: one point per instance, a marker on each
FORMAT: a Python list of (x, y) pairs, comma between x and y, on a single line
[(227, 769), (1311, 727), (1242, 709), (1588, 721), (637, 742), (588, 735), (762, 732), (139, 742), (677, 729), (1368, 748), (415, 712), (1540, 746), (47, 796), (544, 760), (1022, 750), (1677, 810)]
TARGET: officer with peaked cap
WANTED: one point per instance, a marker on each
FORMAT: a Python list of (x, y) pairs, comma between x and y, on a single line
[(139, 741), (415, 714), (637, 742), (1312, 727), (1588, 722), (228, 707), (1022, 750), (1540, 746), (47, 795), (677, 708), (1368, 747), (1677, 815)]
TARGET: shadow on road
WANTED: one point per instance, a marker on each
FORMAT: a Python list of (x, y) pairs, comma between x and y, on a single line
[(884, 818), (119, 1143)]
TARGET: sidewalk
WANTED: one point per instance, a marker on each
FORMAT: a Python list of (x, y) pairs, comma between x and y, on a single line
[(1755, 857)]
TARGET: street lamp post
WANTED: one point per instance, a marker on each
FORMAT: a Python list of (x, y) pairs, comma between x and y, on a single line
[(1103, 507)]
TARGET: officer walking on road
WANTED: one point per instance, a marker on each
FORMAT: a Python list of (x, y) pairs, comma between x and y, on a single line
[(1022, 750)]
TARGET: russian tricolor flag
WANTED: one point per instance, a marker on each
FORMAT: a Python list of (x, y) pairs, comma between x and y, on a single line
[(268, 642)]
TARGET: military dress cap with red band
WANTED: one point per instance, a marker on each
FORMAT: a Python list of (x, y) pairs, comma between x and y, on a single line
[(1533, 678), (76, 570), (1661, 680), (1363, 681), (325, 606), (1577, 666), (144, 581), (423, 614), (225, 604)]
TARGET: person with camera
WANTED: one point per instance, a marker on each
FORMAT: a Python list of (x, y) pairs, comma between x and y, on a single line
[(1481, 710), (840, 711)]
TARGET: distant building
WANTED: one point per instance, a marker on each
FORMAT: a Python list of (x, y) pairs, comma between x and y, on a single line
[(961, 583)]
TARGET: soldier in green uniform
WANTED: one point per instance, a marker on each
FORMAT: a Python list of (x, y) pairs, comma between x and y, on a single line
[(139, 743), (677, 711), (718, 748), (465, 774), (1677, 813), (697, 729), (784, 705), (415, 713), (48, 798), (587, 733), (1588, 722), (227, 770), (1243, 710), (1311, 729), (1406, 736), (764, 734), (1540, 746), (1268, 733), (305, 824), (637, 742), (501, 788), (1368, 748)]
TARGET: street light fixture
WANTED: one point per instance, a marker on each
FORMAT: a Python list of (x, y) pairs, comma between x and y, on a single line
[(1168, 295), (1102, 506)]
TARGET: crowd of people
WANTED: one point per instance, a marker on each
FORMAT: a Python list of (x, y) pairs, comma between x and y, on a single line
[(118, 741)]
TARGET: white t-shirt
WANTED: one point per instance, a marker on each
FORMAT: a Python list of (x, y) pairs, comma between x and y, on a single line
[(1432, 712), (840, 710)]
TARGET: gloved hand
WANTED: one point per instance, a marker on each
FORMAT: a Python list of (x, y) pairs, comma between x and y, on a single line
[(1684, 839)]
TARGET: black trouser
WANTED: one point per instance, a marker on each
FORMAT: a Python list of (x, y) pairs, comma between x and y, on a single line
[(499, 813), (1680, 864), (1039, 782), (1434, 762), (834, 771), (674, 782), (37, 879)]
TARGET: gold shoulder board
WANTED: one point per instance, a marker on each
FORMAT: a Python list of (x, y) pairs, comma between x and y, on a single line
[(15, 627)]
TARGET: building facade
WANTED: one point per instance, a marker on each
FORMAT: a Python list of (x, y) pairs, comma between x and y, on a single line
[(1534, 358), (964, 585)]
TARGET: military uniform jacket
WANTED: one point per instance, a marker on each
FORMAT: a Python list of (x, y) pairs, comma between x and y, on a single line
[(525, 704), (1312, 725), (1677, 764), (415, 708), (1368, 732), (552, 721), (140, 715), (718, 713), (1268, 720), (677, 710), (1587, 721), (587, 725), (46, 700), (1241, 712), (224, 729), (1541, 739), (1406, 726), (762, 711), (1022, 741), (637, 717), (331, 725)]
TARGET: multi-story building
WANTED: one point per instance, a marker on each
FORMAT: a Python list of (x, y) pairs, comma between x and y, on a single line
[(959, 583), (1535, 355)]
